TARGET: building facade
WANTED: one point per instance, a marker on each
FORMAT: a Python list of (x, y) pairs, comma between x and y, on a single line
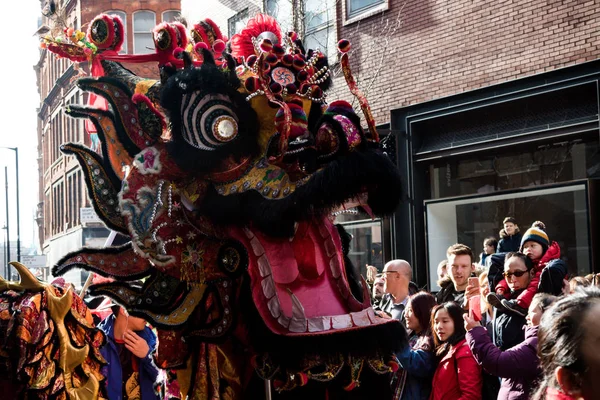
[(65, 218), (492, 110)]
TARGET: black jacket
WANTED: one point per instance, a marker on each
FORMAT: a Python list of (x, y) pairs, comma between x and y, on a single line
[(509, 243), (448, 293)]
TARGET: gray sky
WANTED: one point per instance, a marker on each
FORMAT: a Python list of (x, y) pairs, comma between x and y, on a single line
[(18, 117)]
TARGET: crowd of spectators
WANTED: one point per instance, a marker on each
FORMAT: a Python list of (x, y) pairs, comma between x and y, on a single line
[(510, 325)]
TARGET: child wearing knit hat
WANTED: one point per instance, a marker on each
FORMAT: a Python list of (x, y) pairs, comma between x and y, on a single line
[(536, 245)]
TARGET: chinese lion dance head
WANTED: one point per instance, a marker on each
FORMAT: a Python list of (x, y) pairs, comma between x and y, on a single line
[(223, 174)]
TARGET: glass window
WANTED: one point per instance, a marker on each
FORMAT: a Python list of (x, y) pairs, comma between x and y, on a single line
[(563, 208), (171, 16), (366, 245), (319, 29), (356, 7), (531, 166), (143, 23), (238, 22), (123, 17), (281, 10)]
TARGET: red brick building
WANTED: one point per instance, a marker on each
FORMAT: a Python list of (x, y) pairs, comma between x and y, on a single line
[(65, 218), (492, 110)]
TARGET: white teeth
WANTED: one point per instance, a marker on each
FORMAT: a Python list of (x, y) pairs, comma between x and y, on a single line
[(334, 265), (274, 307), (341, 321), (248, 233), (284, 321), (323, 231), (268, 287), (258, 249), (297, 307), (360, 318), (298, 322), (263, 266), (319, 324), (297, 326), (329, 247)]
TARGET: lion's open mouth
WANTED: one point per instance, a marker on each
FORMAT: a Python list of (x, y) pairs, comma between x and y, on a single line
[(299, 284)]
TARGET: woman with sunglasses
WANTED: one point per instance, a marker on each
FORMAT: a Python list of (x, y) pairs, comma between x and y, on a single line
[(518, 366), (508, 326)]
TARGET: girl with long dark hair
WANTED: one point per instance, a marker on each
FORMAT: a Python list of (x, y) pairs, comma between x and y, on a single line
[(417, 359), (458, 376)]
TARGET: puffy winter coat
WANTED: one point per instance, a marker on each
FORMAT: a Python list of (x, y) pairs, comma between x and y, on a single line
[(508, 243), (458, 376), (518, 366)]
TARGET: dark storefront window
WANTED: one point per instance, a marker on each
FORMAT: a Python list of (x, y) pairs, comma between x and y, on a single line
[(519, 167), (470, 196), (563, 208), (366, 245)]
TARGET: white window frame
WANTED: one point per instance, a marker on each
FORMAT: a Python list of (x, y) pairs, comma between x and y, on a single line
[(123, 15), (367, 12), (135, 50)]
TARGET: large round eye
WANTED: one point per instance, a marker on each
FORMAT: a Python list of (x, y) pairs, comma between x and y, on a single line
[(208, 121)]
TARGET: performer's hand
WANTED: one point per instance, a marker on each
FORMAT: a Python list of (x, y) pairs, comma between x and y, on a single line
[(135, 344), (371, 273)]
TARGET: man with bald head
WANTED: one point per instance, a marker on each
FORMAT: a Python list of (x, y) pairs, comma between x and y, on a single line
[(397, 275)]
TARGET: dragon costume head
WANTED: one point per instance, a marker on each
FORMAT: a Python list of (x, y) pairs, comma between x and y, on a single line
[(224, 175)]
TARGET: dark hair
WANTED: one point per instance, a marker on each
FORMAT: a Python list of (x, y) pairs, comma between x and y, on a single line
[(459, 249), (491, 241), (578, 281), (544, 300), (517, 254), (421, 304), (456, 313), (561, 334), (512, 220)]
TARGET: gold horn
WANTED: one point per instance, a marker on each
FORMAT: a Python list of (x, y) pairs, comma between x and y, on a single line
[(27, 280)]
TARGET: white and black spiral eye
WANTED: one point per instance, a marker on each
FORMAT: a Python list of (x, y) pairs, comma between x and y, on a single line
[(208, 121)]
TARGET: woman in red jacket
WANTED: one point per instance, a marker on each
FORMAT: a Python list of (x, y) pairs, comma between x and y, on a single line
[(458, 376)]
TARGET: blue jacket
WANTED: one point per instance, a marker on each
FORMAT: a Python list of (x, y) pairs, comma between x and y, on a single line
[(148, 372), (419, 364)]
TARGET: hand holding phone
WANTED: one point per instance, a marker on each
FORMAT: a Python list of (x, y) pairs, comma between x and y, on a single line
[(475, 308)]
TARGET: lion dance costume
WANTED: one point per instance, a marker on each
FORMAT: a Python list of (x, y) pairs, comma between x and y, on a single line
[(224, 174)]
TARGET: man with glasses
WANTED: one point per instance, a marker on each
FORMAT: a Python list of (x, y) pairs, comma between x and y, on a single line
[(397, 275)]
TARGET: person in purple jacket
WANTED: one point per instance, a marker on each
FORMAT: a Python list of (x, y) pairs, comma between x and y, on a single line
[(518, 366)]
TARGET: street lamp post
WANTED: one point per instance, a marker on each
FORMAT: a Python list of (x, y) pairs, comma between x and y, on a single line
[(16, 150)]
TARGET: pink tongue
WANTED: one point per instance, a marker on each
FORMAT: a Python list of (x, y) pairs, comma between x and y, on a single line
[(304, 250), (281, 257)]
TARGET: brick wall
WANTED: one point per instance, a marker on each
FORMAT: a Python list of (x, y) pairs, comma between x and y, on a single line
[(89, 9), (447, 47)]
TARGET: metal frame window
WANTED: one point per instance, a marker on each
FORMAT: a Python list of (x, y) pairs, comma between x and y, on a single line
[(236, 23), (143, 23), (171, 16), (319, 26), (123, 16)]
